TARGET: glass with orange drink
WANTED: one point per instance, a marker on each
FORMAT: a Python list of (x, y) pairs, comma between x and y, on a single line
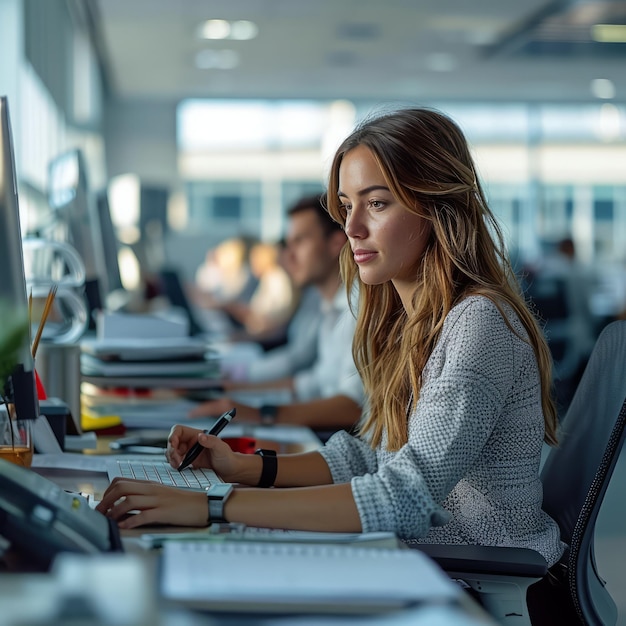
[(16, 441)]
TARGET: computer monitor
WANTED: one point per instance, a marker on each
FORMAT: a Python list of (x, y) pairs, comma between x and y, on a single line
[(12, 280), (110, 243), (173, 289), (75, 220), (116, 296)]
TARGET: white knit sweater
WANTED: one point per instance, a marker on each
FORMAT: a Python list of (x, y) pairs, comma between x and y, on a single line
[(469, 472)]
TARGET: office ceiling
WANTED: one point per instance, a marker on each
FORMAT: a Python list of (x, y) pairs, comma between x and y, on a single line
[(373, 50)]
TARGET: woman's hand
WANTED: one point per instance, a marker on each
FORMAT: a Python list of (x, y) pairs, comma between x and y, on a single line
[(217, 454), (221, 405), (152, 503)]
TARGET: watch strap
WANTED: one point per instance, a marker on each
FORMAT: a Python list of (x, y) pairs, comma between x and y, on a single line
[(269, 467)]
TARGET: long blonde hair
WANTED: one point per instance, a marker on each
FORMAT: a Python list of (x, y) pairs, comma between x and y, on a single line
[(427, 165)]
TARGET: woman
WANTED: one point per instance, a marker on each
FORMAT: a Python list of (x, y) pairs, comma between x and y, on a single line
[(455, 367)]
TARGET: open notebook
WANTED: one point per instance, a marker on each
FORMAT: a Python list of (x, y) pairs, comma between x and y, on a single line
[(162, 472)]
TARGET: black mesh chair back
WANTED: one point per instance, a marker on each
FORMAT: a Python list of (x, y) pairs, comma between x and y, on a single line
[(577, 473)]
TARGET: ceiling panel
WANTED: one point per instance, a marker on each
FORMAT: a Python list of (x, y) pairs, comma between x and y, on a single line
[(380, 50)]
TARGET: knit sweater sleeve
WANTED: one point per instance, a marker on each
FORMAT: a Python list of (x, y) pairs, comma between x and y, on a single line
[(348, 456), (465, 385)]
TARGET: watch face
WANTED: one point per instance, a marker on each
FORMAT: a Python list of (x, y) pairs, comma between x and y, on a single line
[(219, 490)]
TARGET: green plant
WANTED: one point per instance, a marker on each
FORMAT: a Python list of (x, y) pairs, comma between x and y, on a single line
[(13, 332)]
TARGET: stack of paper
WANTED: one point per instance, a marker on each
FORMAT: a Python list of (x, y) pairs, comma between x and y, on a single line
[(93, 366), (144, 413), (146, 349), (144, 325), (136, 347)]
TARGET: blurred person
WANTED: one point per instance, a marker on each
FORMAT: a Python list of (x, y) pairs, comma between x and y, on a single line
[(242, 288), (561, 289), (209, 275), (328, 391), (225, 276), (272, 303)]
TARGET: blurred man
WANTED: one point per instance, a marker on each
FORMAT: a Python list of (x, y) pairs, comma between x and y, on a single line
[(328, 391)]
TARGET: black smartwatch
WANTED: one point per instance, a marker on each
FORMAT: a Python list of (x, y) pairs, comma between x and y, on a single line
[(270, 467), (268, 414), (217, 495)]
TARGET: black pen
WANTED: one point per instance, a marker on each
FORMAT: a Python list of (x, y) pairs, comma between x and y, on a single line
[(218, 427)]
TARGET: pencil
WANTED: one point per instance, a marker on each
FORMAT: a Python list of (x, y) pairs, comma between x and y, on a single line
[(44, 316)]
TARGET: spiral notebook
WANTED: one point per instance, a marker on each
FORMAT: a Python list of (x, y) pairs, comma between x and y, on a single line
[(287, 577)]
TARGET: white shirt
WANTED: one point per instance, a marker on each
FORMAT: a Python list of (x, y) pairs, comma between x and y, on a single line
[(334, 372), (300, 351)]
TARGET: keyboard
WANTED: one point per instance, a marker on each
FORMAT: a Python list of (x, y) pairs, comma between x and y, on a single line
[(162, 472)]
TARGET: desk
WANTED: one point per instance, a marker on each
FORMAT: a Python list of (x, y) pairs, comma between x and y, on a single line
[(46, 600), (94, 590)]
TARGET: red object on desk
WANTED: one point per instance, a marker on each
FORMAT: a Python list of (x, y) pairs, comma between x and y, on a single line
[(111, 431), (127, 391), (41, 392), (247, 445)]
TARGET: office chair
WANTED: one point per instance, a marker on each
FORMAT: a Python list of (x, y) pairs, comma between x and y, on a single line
[(575, 477)]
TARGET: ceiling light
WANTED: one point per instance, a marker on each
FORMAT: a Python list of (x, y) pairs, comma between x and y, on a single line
[(603, 88), (217, 59), (609, 33), (214, 29), (223, 29), (243, 30)]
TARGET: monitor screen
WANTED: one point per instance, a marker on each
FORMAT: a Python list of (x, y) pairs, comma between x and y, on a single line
[(110, 244), (75, 219), (12, 281), (64, 179)]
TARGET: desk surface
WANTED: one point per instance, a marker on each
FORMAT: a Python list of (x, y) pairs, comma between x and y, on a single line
[(47, 600)]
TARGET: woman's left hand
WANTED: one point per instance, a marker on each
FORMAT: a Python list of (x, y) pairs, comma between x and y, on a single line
[(152, 503)]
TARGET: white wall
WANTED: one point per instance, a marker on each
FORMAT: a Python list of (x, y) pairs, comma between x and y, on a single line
[(11, 47)]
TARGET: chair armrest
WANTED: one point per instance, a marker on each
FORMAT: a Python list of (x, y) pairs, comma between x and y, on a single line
[(485, 559)]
